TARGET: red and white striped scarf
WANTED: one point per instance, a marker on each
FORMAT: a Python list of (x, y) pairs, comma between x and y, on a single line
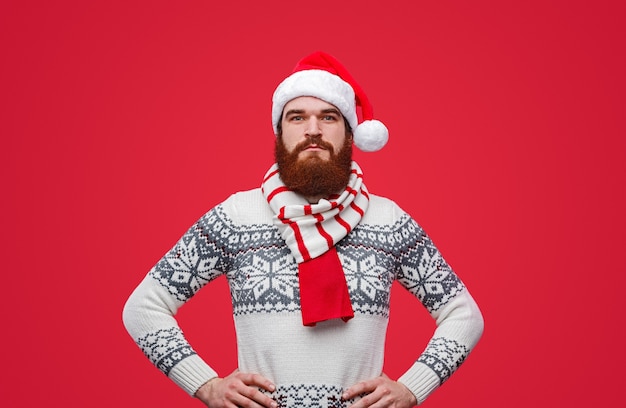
[(311, 232)]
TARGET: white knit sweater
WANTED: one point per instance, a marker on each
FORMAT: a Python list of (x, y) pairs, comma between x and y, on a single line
[(310, 366)]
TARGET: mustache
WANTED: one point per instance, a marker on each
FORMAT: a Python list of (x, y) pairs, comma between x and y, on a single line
[(315, 140)]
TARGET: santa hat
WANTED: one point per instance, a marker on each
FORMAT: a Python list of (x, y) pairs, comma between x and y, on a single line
[(320, 75)]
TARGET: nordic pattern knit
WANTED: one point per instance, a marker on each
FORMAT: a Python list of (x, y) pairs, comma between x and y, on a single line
[(311, 366)]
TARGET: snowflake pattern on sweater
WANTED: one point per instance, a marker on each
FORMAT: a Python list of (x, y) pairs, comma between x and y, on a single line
[(262, 275), (165, 348)]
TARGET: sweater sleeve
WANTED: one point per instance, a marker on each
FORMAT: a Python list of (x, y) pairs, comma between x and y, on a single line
[(423, 272), (195, 260)]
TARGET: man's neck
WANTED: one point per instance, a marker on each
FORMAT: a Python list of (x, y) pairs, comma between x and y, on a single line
[(314, 199)]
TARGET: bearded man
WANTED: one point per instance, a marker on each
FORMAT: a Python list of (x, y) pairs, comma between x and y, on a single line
[(310, 258)]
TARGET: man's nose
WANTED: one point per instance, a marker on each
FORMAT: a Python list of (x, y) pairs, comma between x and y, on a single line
[(312, 128)]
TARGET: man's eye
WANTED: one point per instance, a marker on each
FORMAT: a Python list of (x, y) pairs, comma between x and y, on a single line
[(296, 118), (329, 118)]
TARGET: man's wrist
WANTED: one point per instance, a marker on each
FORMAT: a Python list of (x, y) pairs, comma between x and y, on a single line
[(205, 388)]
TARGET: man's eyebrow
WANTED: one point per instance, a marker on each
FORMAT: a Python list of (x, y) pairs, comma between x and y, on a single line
[(294, 112), (301, 111)]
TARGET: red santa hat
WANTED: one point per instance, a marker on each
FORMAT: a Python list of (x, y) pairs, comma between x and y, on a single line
[(320, 75)]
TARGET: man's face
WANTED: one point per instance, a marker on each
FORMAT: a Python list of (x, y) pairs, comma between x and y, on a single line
[(314, 153), (312, 121)]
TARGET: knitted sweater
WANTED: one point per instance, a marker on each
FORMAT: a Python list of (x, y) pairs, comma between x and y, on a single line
[(310, 366)]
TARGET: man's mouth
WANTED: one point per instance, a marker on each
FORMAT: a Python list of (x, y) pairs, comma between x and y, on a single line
[(314, 147)]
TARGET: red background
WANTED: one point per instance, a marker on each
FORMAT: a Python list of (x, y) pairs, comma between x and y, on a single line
[(123, 122)]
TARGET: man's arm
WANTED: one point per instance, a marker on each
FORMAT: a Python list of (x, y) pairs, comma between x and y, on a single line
[(422, 270), (196, 259), (149, 319), (459, 327)]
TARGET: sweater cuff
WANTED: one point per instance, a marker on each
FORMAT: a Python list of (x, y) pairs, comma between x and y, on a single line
[(191, 373), (420, 380)]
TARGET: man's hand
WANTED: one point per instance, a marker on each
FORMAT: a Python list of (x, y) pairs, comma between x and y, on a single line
[(381, 392), (237, 390)]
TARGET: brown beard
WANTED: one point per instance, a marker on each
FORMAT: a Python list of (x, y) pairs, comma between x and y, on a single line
[(312, 176)]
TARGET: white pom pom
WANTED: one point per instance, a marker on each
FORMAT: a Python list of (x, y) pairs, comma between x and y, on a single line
[(371, 135)]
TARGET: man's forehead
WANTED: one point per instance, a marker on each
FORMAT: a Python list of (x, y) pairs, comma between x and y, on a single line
[(304, 103)]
